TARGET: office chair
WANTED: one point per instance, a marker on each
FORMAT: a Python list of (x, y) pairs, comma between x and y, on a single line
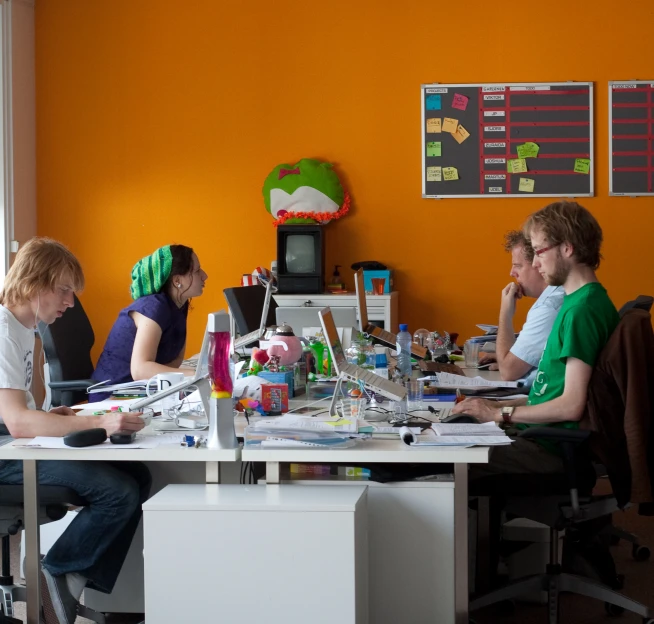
[(617, 433), (642, 302), (67, 346)]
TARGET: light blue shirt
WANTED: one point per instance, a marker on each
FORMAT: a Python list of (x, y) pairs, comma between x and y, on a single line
[(530, 344)]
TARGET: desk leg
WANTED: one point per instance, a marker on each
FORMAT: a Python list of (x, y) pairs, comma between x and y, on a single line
[(272, 473), (32, 540), (212, 472), (461, 543)]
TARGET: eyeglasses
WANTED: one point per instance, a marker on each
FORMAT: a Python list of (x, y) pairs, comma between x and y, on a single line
[(540, 252)]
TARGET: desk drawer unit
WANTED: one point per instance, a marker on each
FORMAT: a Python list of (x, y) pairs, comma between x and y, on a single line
[(258, 554)]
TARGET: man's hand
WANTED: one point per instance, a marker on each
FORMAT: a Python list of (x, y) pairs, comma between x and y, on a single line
[(63, 410), (510, 294), (481, 409), (487, 358), (121, 421)]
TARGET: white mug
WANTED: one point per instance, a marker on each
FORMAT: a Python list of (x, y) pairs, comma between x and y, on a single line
[(164, 381)]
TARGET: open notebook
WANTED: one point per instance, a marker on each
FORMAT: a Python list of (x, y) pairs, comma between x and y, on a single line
[(351, 372), (367, 328)]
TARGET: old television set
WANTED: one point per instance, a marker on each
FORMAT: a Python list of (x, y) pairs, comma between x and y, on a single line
[(300, 259)]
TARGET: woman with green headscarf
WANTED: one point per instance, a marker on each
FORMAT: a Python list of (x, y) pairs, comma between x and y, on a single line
[(149, 336)]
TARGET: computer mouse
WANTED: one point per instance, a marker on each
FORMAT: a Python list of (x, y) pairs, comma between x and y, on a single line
[(459, 418)]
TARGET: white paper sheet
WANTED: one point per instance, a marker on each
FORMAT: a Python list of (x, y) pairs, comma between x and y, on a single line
[(141, 442), (467, 429)]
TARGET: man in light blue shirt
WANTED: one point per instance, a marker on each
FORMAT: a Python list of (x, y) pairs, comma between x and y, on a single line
[(517, 358)]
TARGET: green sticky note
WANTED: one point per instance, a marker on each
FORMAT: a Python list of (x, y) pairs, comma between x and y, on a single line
[(528, 150), (516, 165), (582, 165), (434, 148), (526, 185)]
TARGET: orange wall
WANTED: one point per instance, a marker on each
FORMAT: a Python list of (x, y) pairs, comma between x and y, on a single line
[(157, 122)]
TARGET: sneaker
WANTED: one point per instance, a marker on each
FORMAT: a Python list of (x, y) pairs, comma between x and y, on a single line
[(59, 607)]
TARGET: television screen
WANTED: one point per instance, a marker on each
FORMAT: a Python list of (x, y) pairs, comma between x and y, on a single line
[(300, 253)]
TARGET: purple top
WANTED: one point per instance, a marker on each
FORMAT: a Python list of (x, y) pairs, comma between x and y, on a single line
[(116, 357)]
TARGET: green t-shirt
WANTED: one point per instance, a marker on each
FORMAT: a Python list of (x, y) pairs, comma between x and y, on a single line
[(583, 326)]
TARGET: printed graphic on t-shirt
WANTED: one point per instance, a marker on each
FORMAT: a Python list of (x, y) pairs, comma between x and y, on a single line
[(540, 384), (27, 359)]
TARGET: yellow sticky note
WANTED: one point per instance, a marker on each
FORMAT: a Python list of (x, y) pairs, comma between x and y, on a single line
[(582, 165), (434, 174), (461, 134), (434, 125), (516, 165), (528, 150), (450, 173), (526, 185), (450, 125)]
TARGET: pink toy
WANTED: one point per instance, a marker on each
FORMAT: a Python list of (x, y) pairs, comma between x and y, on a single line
[(286, 345)]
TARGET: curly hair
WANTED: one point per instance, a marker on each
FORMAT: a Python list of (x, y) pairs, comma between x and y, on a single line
[(517, 238), (568, 222)]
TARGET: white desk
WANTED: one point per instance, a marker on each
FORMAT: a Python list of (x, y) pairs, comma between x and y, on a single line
[(29, 456)]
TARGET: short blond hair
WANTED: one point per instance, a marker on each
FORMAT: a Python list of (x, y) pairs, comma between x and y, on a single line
[(569, 222), (40, 264)]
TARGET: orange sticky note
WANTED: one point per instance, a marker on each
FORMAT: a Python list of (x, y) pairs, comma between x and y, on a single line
[(434, 125), (461, 134), (450, 125)]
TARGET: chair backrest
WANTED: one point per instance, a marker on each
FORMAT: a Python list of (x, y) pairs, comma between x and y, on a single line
[(67, 346), (642, 302)]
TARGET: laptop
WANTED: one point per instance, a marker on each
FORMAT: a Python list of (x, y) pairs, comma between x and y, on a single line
[(351, 372), (372, 330), (257, 334)]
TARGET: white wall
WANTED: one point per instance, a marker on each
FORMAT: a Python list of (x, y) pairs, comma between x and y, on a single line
[(24, 113)]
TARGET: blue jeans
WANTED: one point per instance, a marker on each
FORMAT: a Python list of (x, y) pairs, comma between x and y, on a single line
[(95, 544)]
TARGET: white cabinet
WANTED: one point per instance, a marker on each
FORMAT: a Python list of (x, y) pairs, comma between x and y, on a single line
[(256, 554), (381, 308)]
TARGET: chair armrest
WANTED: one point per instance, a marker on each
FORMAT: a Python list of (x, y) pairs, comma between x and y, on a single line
[(72, 384), (556, 434)]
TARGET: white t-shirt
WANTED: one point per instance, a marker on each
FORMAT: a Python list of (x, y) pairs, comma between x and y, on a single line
[(16, 355)]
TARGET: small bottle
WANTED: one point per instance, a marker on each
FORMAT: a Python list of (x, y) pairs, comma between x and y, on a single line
[(336, 283), (403, 347)]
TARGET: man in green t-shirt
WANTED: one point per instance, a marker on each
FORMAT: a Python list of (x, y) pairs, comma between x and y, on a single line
[(566, 239)]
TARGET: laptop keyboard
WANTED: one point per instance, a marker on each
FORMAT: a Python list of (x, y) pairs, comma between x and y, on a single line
[(379, 384), (244, 341)]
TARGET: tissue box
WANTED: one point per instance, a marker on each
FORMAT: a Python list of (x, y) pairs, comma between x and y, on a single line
[(286, 377), (368, 275)]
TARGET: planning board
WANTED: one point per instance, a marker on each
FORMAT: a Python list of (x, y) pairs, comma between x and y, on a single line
[(507, 140)]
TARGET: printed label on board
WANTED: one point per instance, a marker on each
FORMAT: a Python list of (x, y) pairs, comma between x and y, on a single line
[(495, 189), (539, 88), (494, 113), (494, 161), (493, 97), (495, 144), (624, 86), (438, 90), (494, 128), (495, 176), (493, 89)]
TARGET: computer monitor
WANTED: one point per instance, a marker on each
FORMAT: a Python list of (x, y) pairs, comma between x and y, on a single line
[(299, 318), (247, 304)]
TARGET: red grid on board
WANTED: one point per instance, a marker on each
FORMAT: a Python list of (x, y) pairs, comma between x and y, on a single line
[(649, 136)]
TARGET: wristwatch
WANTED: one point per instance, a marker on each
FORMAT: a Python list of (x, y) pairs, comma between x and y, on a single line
[(507, 415)]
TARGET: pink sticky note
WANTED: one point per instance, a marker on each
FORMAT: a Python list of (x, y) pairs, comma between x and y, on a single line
[(460, 101)]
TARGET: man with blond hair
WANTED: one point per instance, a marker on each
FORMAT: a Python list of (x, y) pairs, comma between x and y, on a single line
[(566, 240), (40, 286), (517, 358)]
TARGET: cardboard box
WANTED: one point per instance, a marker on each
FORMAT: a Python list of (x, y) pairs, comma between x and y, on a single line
[(285, 377), (368, 275)]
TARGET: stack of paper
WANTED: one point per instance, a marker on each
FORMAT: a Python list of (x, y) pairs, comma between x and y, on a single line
[(457, 434), (447, 380)]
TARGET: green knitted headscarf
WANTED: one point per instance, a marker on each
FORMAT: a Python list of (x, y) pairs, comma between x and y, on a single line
[(150, 273)]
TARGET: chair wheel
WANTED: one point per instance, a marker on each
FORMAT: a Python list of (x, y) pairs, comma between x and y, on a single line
[(613, 610), (640, 553)]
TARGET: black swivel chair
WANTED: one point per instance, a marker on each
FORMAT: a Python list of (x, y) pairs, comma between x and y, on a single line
[(642, 302), (67, 346)]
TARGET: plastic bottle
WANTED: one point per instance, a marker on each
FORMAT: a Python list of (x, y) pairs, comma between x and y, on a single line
[(403, 347)]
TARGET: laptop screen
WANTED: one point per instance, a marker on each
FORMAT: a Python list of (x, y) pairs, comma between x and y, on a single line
[(331, 336), (361, 300)]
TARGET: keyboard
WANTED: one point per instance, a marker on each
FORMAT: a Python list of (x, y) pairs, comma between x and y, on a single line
[(244, 341), (391, 340), (388, 388)]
